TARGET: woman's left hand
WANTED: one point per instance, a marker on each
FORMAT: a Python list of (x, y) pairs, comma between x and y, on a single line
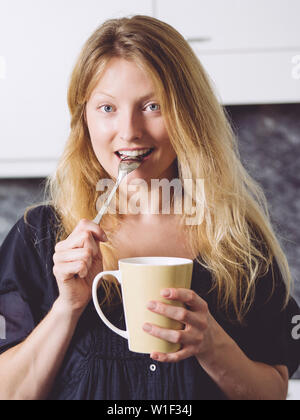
[(195, 338)]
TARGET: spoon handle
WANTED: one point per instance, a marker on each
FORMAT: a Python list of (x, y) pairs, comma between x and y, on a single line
[(108, 200)]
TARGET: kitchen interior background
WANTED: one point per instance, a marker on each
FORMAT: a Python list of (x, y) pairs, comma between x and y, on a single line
[(250, 49)]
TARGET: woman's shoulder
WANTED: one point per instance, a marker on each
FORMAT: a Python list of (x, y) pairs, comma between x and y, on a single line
[(40, 214), (39, 222), (26, 260), (38, 225)]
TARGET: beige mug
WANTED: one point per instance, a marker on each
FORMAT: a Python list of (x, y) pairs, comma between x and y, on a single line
[(142, 279)]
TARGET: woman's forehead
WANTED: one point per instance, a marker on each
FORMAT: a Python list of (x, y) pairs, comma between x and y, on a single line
[(120, 75)]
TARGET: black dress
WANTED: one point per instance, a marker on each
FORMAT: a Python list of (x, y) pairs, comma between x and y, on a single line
[(98, 364)]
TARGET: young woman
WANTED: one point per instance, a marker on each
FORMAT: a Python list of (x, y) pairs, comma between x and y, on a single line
[(138, 87)]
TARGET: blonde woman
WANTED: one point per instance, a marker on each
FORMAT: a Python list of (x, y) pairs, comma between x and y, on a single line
[(137, 85)]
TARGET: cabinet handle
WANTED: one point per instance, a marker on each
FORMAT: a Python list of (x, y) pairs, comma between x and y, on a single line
[(199, 39)]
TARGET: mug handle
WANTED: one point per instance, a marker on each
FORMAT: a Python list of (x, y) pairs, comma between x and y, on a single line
[(117, 275)]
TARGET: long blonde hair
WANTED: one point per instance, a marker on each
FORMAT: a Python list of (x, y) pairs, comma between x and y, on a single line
[(235, 241)]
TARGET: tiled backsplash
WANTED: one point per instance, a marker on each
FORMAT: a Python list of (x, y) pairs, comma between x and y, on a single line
[(269, 141)]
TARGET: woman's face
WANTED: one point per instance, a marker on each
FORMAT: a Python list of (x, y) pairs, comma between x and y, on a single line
[(123, 114)]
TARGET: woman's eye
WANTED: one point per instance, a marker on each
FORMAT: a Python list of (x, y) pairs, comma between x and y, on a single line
[(106, 108), (154, 107)]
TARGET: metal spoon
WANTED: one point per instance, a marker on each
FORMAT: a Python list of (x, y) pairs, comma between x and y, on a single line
[(127, 165)]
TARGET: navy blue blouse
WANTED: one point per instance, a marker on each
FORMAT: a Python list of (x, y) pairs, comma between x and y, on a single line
[(98, 364)]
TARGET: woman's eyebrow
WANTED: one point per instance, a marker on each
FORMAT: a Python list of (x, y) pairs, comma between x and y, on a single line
[(143, 98), (103, 93)]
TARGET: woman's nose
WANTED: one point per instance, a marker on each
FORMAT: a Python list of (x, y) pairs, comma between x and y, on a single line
[(130, 127)]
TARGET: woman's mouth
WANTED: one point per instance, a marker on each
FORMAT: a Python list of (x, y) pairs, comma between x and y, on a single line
[(140, 155)]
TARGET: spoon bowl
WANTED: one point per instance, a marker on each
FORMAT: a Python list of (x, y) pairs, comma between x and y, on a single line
[(128, 165)]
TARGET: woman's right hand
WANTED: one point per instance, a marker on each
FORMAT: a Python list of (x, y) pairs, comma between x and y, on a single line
[(77, 260)]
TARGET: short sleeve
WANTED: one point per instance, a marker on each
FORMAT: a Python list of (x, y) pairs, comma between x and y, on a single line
[(268, 336), (25, 292)]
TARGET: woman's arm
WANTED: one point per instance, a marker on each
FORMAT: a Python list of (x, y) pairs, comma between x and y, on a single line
[(239, 377), (236, 375), (28, 370)]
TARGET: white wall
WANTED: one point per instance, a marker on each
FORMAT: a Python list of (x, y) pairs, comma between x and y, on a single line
[(39, 43)]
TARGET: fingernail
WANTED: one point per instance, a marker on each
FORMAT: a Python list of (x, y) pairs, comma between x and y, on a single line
[(151, 305), (166, 293), (147, 327)]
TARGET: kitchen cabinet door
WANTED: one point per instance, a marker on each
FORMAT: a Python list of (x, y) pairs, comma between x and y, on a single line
[(39, 43), (249, 48), (253, 77), (233, 25)]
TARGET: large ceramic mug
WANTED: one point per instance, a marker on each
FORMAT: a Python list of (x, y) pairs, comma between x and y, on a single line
[(142, 280)]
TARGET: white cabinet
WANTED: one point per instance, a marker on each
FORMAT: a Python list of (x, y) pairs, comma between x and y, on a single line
[(39, 43), (250, 48)]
